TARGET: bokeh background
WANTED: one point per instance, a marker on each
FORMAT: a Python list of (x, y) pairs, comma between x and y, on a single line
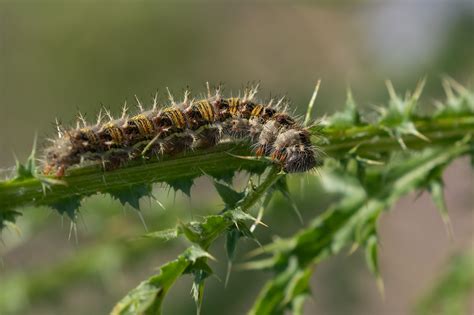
[(58, 57)]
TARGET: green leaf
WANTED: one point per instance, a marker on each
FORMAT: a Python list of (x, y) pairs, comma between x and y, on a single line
[(228, 194), (131, 194), (298, 287), (349, 117), (397, 119), (460, 101), (226, 177), (184, 185), (437, 194), (335, 179), (68, 206), (7, 218), (148, 297), (232, 237), (205, 232), (238, 215), (298, 303), (278, 294), (164, 235), (27, 170), (371, 257), (282, 186), (201, 272)]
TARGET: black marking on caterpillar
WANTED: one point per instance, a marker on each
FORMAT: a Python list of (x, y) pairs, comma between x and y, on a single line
[(188, 125)]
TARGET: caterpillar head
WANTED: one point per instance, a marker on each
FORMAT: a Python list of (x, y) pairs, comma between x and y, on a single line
[(59, 156), (299, 159), (294, 151)]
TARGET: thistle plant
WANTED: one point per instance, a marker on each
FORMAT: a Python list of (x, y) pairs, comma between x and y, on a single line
[(369, 165)]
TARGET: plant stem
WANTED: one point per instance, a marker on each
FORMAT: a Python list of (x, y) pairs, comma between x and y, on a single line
[(223, 159), (373, 139), (272, 177)]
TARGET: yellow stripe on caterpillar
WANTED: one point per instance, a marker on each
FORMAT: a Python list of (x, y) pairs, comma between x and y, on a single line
[(234, 104), (89, 135), (114, 132), (144, 125), (176, 117), (256, 111), (206, 110)]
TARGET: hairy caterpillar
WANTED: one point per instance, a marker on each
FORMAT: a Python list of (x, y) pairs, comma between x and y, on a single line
[(190, 124)]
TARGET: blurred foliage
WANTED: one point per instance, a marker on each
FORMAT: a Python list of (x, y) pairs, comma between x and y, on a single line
[(351, 221), (451, 292)]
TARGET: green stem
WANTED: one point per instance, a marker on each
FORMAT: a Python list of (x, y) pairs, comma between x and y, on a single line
[(272, 177), (374, 139), (222, 159)]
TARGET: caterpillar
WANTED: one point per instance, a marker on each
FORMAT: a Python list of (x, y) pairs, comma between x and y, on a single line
[(187, 125)]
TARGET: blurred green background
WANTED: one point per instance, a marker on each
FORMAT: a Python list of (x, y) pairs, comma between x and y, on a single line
[(58, 57)]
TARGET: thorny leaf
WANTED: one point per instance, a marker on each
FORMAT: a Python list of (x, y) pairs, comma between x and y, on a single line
[(27, 170), (460, 101), (371, 249), (397, 118), (278, 294), (348, 117), (148, 297), (435, 187), (232, 238), (68, 206), (131, 195), (342, 224), (282, 186), (228, 195), (201, 272), (164, 235), (8, 217), (184, 185), (206, 231)]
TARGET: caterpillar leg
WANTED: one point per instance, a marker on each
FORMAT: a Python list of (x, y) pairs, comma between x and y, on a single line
[(61, 171)]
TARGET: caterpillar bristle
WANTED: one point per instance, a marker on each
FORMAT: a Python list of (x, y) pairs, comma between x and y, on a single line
[(107, 113), (187, 93), (155, 101), (99, 118), (189, 125), (81, 119), (124, 110), (139, 104), (208, 90), (170, 97), (59, 128)]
